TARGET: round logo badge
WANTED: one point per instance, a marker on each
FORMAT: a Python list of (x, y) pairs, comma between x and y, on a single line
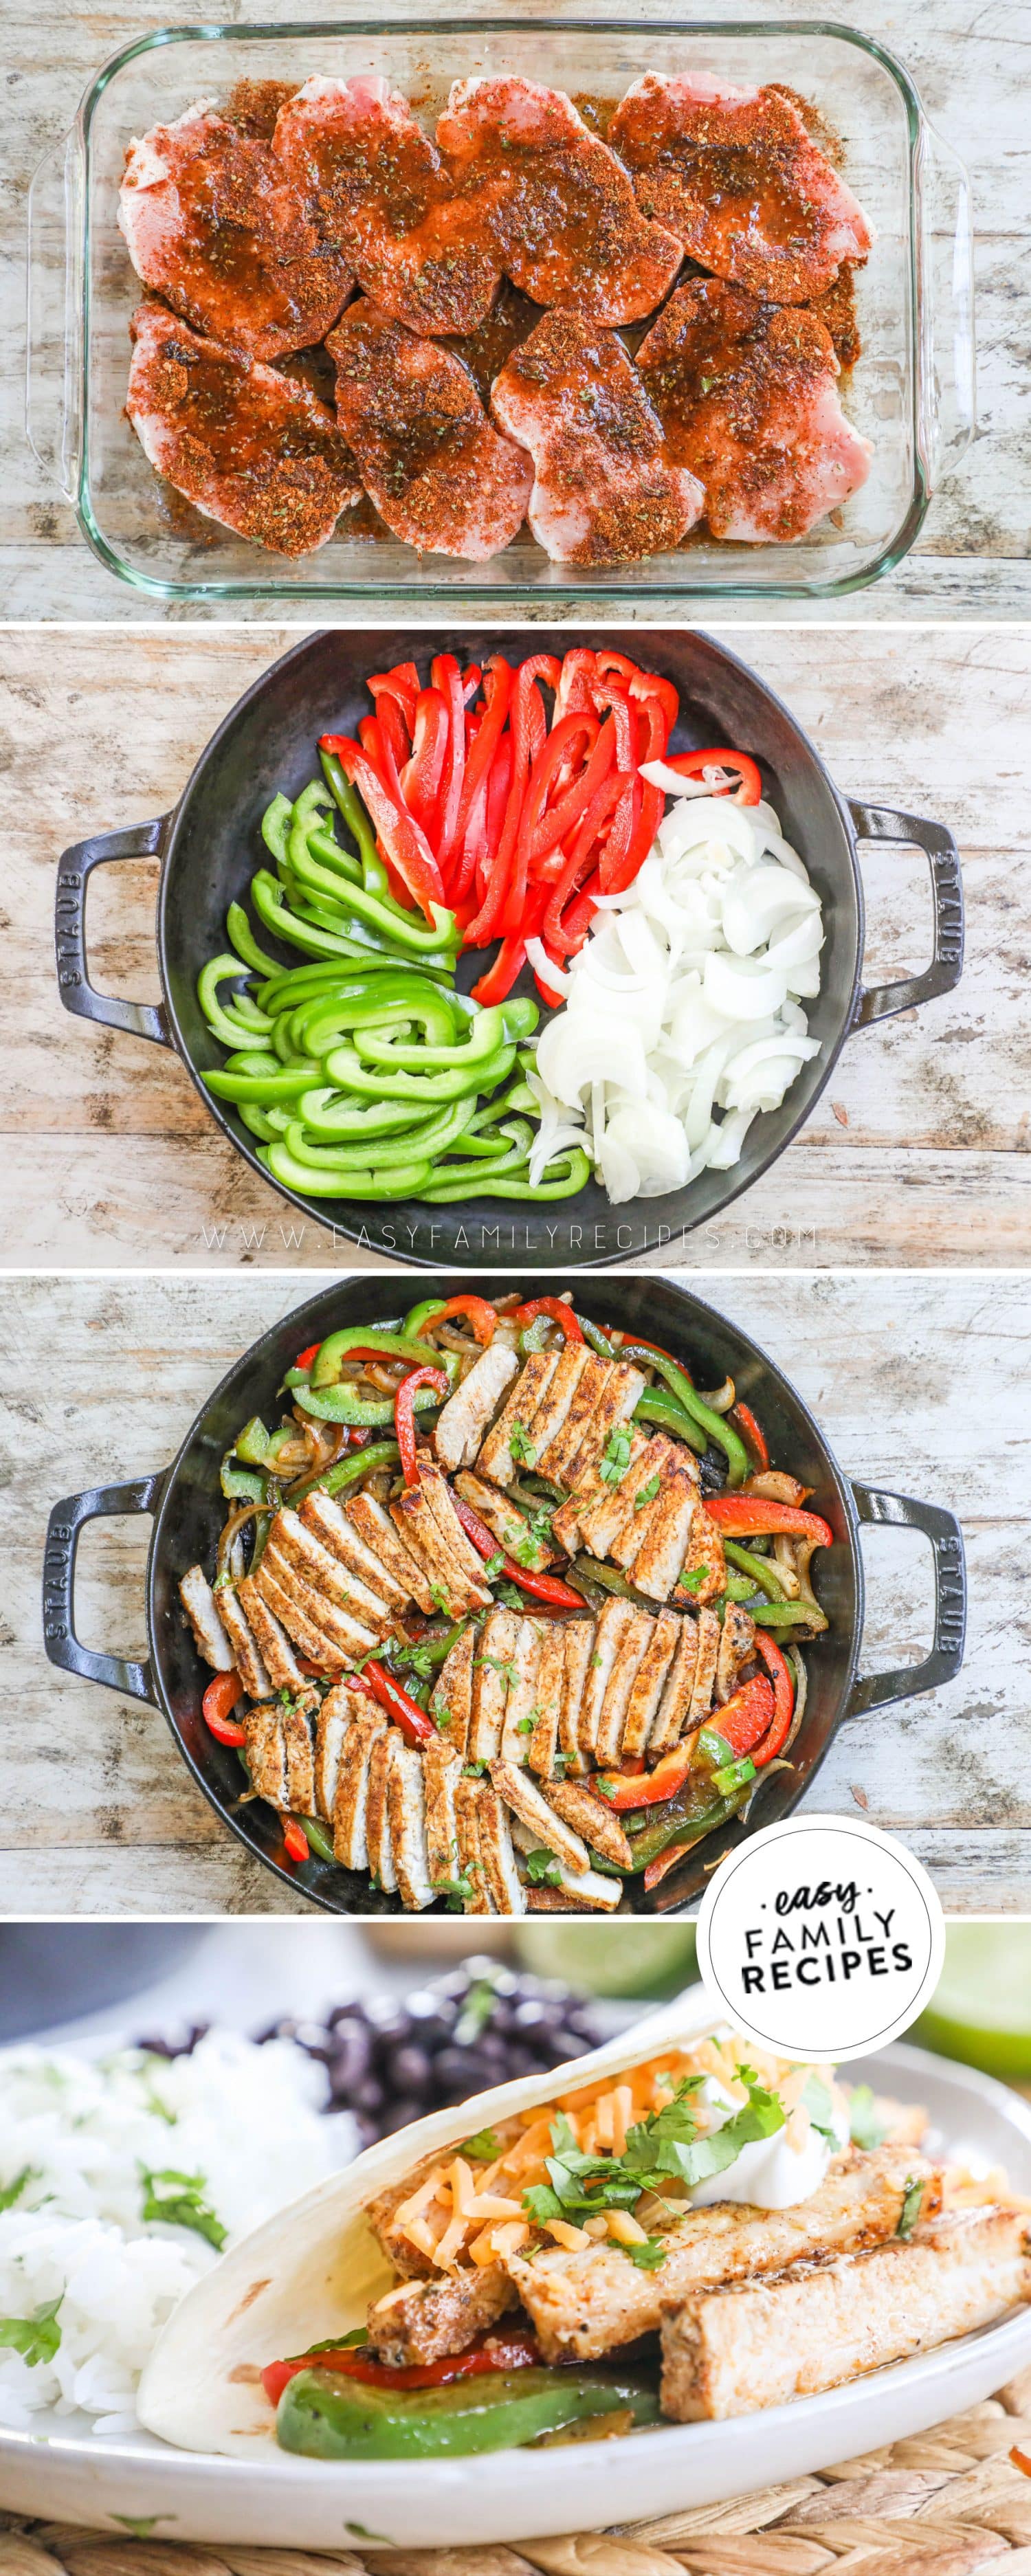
[(821, 1938)]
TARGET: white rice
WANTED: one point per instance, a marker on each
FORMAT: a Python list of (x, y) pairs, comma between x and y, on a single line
[(239, 2117)]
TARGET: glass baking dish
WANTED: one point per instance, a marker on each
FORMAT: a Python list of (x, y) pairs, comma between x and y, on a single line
[(912, 390)]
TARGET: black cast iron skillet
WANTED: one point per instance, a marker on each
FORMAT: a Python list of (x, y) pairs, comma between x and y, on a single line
[(188, 1511), (209, 847)]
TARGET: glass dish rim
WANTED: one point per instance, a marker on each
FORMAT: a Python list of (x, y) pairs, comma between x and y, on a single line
[(525, 595)]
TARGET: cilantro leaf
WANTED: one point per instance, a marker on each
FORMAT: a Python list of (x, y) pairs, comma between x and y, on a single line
[(37, 2338), (617, 1456), (494, 1566), (542, 1870), (911, 2206), (178, 2199), (865, 2129), (817, 2101), (458, 1891), (522, 1449), (647, 2258), (13, 2190), (647, 1493), (484, 2145)]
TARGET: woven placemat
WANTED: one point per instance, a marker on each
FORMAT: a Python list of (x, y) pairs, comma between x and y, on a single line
[(944, 2503)]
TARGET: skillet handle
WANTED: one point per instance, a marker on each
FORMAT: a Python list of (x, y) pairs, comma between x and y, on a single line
[(62, 1645), (900, 1511), (138, 841), (882, 823)]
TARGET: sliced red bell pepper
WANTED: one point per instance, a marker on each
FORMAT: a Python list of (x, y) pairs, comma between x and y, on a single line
[(404, 1416), (612, 787), (693, 764), (219, 1698), (557, 1311), (744, 1718), (470, 828), (496, 984), (544, 1587), (649, 689), (402, 842), (471, 678), (411, 1719), (783, 1681), (751, 1431), (507, 2352), (295, 1840), (478, 1312), (446, 676), (659, 704), (566, 814), (615, 666), (663, 1861), (421, 775), (304, 1358), (544, 767), (624, 1790), (401, 684), (396, 731), (528, 726), (577, 920), (751, 1516)]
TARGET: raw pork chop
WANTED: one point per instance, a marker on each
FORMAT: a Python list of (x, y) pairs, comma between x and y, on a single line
[(247, 446), (747, 397), (605, 488), (438, 473), (380, 195), (561, 210), (735, 176), (212, 222)]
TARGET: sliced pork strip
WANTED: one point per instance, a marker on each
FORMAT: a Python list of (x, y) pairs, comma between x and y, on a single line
[(614, 1624), (592, 1819), (213, 223), (509, 1526), (578, 1891), (674, 1710), (205, 1619), (450, 1588), (382, 1866), (704, 1575), (521, 1701), (556, 1459), (440, 476), (747, 395), (334, 1582), (765, 2342), (633, 1647), (606, 488), (468, 1802), (737, 1644), (579, 1649), (372, 1522), (559, 1394), (441, 2317), (349, 1635), (439, 1497), (497, 1853), (351, 1803), (465, 1418), (324, 1518), (383, 200), (442, 1771), (406, 1811), (543, 1743), (265, 1751), (300, 1763), (331, 1727), (250, 1664), (664, 1542), (496, 1459), (299, 1627), (494, 1669), (528, 1802), (705, 1668), (561, 209), (250, 448), (452, 1699), (585, 1475), (280, 1660), (619, 1507), (735, 176), (649, 1682)]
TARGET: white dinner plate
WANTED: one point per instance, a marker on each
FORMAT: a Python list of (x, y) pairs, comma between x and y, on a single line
[(284, 2502)]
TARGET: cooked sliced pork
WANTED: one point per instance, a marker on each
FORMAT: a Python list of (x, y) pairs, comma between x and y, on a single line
[(351, 1797), (747, 396), (452, 1702), (704, 1683), (672, 1710), (494, 1673), (735, 176), (442, 1771), (529, 1804), (559, 207), (331, 1729), (372, 1522), (551, 1679), (521, 1697), (265, 1748), (277, 1652), (250, 448), (579, 1648), (205, 1619), (510, 1527), (559, 1398), (497, 1854), (308, 1601), (333, 1528), (588, 1470), (381, 1863), (383, 201), (650, 1682), (430, 1527), (621, 1506), (606, 488), (585, 2304), (439, 475), (508, 1445), (704, 1575), (616, 1624), (247, 1655), (437, 2318), (471, 1796), (294, 1540), (406, 1816), (299, 1627), (465, 1417), (737, 1643), (213, 223), (589, 1817), (813, 2327), (565, 1890), (654, 1544)]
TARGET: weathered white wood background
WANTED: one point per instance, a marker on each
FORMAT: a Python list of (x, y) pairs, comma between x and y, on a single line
[(919, 1384), (969, 59), (918, 1153)]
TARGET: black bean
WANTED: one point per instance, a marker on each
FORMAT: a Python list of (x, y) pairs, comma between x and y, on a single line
[(409, 2069), (369, 2096), (399, 2115)]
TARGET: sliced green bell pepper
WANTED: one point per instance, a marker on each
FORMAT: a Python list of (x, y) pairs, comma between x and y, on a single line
[(327, 2417), (331, 1354), (343, 1065)]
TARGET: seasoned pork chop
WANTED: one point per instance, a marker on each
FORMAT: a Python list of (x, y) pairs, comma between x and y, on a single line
[(439, 2317), (213, 223), (605, 487), (747, 396), (560, 209), (248, 447), (463, 1422), (383, 200), (734, 174), (438, 473)]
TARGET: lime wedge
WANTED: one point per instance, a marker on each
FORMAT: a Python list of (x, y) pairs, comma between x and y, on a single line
[(650, 1960), (981, 2010)]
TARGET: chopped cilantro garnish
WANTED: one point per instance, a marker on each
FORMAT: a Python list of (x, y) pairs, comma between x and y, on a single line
[(494, 1566), (865, 2129), (617, 1456), (12, 2191), (647, 1493), (521, 1448), (817, 2101), (178, 2199), (911, 2205), (664, 2147), (648, 2257), (693, 1582), (458, 1891), (484, 2146), (37, 2338), (542, 1870)]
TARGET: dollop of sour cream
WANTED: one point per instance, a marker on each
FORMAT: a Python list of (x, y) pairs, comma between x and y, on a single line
[(771, 2173)]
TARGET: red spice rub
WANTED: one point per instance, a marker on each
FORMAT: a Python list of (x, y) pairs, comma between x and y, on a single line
[(249, 447), (212, 222), (734, 174), (438, 473), (606, 489)]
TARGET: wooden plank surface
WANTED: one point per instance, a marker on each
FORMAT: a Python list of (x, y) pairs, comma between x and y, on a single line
[(918, 1383), (918, 1150), (969, 60)]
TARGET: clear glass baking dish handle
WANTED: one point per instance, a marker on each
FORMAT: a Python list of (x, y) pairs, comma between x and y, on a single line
[(945, 314), (54, 320)]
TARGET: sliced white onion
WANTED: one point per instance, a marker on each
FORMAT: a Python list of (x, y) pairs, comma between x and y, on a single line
[(744, 988), (555, 977)]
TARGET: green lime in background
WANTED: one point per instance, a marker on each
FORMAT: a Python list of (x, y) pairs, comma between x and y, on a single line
[(631, 1960), (981, 2010)]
